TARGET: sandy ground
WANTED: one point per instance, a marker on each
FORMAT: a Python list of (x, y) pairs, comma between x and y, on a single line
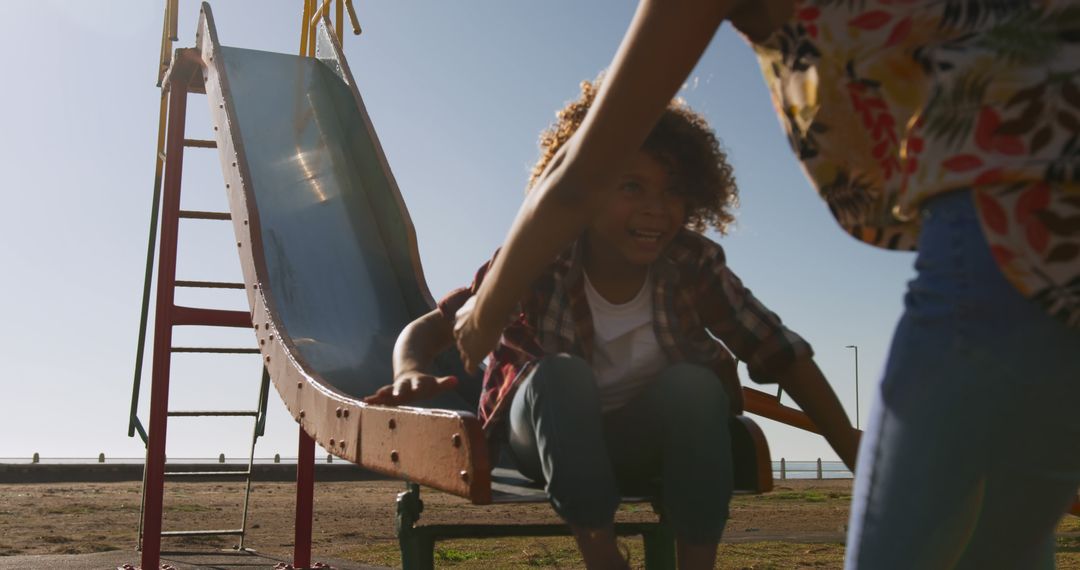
[(355, 520)]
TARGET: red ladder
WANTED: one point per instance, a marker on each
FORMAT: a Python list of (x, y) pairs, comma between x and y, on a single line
[(182, 78)]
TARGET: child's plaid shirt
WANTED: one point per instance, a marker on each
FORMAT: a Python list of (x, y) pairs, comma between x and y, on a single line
[(696, 297)]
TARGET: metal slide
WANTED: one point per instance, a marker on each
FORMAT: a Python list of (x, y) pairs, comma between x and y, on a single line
[(329, 258)]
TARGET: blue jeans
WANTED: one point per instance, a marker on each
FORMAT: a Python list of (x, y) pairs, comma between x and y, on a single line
[(972, 453), (672, 438)]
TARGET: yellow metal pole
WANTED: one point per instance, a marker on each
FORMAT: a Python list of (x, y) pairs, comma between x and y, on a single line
[(166, 45), (174, 17), (325, 8), (163, 55), (308, 6), (352, 17), (340, 17), (163, 113)]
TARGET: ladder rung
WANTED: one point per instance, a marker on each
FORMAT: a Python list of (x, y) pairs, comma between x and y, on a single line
[(199, 143), (215, 350), (196, 215), (207, 473), (196, 413), (236, 532), (210, 284), (210, 317)]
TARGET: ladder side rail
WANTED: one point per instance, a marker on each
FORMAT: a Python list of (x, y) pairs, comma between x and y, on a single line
[(159, 391), (256, 431), (264, 395), (142, 499), (305, 495), (140, 350)]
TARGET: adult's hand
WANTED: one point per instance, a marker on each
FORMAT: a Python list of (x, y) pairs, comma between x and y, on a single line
[(410, 387)]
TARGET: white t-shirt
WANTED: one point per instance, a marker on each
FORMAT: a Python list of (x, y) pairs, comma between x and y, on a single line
[(627, 355)]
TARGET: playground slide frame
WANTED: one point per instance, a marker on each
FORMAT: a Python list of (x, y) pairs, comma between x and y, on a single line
[(443, 449)]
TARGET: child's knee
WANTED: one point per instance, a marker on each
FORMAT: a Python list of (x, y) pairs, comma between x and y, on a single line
[(692, 388), (563, 376)]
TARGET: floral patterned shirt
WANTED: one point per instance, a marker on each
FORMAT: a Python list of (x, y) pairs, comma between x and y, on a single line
[(890, 102)]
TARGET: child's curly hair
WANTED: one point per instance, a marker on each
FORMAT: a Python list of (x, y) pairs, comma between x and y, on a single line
[(682, 140)]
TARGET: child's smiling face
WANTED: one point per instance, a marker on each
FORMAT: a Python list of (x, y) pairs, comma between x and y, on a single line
[(641, 217)]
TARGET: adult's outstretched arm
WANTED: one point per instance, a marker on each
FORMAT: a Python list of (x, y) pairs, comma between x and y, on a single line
[(661, 47)]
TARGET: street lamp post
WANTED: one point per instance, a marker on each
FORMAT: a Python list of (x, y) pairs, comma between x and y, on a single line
[(856, 347)]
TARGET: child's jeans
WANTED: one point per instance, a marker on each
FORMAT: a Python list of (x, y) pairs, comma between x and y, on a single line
[(972, 453), (674, 432)]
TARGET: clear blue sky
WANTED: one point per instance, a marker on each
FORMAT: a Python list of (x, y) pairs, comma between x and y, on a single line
[(458, 94)]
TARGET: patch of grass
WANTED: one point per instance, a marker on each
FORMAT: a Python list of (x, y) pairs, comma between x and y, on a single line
[(86, 509), (542, 559), (808, 496), (769, 555), (375, 553), (72, 509), (484, 554), (549, 553), (188, 508), (455, 555), (60, 491), (85, 548)]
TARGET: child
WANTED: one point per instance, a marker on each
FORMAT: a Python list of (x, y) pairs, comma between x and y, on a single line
[(609, 377)]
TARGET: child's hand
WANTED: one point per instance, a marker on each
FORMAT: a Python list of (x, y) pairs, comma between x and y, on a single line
[(474, 340), (411, 386)]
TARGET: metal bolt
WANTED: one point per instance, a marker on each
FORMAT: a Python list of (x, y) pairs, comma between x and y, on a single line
[(456, 438), (238, 244), (234, 164), (464, 476), (299, 385), (266, 325), (268, 359), (301, 413), (346, 412), (342, 444), (337, 412), (271, 337), (262, 341), (226, 186), (332, 442), (394, 456), (215, 127), (393, 424)]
